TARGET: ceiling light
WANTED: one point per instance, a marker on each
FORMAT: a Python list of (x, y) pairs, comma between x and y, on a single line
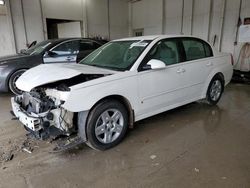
[(2, 2)]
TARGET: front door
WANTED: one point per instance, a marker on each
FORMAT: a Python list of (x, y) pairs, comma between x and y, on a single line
[(160, 89), (66, 52)]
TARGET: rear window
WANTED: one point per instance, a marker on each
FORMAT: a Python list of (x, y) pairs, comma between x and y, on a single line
[(196, 49)]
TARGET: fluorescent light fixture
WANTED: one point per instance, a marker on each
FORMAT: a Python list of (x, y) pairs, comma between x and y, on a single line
[(2, 2)]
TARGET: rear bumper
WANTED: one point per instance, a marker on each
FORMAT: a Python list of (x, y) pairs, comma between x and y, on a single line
[(33, 123)]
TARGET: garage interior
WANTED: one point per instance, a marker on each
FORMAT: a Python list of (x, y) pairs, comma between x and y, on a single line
[(191, 146)]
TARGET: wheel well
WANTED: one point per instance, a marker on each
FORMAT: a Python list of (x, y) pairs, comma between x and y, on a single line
[(13, 72), (124, 102), (220, 74)]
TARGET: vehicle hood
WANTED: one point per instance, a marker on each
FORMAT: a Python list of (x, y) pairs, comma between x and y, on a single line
[(6, 59), (49, 73)]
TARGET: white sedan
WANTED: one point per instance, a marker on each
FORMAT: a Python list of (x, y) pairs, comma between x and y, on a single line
[(118, 84)]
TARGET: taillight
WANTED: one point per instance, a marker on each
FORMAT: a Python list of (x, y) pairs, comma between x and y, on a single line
[(232, 59)]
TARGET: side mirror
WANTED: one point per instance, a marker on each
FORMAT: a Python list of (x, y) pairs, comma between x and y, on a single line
[(155, 64), (22, 51), (32, 44), (50, 54)]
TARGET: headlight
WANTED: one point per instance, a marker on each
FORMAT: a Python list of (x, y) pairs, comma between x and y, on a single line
[(61, 95)]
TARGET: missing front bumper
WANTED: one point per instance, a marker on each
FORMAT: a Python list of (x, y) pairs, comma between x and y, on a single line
[(41, 125), (33, 123)]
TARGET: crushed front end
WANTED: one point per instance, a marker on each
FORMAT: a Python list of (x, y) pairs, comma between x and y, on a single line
[(41, 113)]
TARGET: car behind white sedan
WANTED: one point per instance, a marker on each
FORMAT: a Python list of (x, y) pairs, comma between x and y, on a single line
[(120, 83)]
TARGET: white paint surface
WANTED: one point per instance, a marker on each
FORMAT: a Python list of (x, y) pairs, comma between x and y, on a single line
[(6, 46), (69, 29), (169, 88)]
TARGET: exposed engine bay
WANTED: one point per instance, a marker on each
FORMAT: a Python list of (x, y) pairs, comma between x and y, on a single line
[(50, 118), (41, 111)]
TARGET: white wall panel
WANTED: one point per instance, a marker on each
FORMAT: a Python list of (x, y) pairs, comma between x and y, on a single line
[(147, 14), (187, 17), (201, 18), (6, 44), (125, 17), (69, 29), (18, 24), (31, 24), (173, 14), (97, 11), (118, 18), (62, 9), (33, 20), (230, 25), (215, 21)]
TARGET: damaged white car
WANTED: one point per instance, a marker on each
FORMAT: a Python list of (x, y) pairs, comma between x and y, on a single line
[(120, 83)]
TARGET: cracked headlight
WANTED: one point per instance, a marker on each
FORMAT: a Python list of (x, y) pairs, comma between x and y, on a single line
[(60, 95)]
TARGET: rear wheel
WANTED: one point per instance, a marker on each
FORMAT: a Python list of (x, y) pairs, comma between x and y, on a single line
[(107, 125), (12, 82), (215, 90)]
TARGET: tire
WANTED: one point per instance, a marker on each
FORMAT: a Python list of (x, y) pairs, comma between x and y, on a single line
[(12, 81), (107, 125), (215, 90)]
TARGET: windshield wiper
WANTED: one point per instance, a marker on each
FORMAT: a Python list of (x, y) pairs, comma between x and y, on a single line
[(105, 67)]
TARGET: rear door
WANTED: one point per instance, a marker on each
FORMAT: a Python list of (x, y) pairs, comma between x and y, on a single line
[(196, 67), (65, 52)]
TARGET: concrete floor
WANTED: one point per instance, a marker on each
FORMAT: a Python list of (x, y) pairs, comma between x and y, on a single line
[(192, 146)]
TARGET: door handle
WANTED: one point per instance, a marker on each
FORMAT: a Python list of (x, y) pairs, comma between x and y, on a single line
[(69, 58), (181, 70), (209, 64)]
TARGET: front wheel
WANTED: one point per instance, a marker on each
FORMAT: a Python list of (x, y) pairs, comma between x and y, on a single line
[(107, 125), (12, 82), (215, 90)]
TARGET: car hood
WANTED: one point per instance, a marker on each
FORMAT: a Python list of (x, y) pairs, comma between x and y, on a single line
[(45, 74), (6, 59)]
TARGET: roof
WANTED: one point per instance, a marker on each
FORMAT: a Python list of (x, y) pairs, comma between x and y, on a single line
[(152, 37), (74, 38)]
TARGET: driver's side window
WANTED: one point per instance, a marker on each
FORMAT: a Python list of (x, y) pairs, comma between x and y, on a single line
[(166, 51), (67, 48)]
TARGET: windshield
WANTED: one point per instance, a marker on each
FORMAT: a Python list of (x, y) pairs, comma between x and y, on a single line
[(38, 48), (117, 55)]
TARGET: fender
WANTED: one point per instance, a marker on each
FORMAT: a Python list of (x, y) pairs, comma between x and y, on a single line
[(207, 82), (224, 67), (83, 99)]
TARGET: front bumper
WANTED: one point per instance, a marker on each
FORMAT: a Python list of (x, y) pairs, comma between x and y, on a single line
[(3, 84), (33, 123), (5, 73)]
